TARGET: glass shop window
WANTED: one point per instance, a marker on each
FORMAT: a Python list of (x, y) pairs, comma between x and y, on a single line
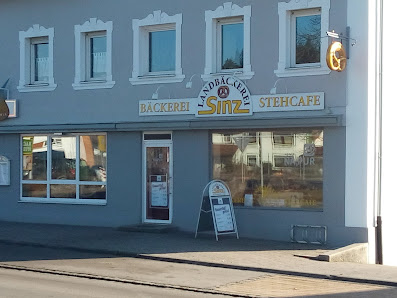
[(282, 169), (64, 168)]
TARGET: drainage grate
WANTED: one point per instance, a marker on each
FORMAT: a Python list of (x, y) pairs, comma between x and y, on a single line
[(309, 234)]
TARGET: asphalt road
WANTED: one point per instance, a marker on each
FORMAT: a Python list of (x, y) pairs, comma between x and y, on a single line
[(47, 269), (22, 284)]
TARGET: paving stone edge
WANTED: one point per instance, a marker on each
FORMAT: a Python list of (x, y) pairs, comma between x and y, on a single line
[(202, 263)]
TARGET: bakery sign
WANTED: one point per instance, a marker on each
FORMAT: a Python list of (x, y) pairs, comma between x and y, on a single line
[(224, 96), (227, 96)]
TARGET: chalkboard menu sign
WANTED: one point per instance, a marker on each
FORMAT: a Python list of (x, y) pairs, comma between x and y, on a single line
[(222, 215), (217, 206)]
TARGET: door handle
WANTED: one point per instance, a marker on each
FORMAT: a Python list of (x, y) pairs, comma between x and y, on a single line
[(170, 186)]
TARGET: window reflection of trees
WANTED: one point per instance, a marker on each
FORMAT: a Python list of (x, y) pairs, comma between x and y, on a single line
[(232, 46), (235, 63), (308, 39)]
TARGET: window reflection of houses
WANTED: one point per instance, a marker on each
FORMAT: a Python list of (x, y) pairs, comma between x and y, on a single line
[(54, 165), (281, 168)]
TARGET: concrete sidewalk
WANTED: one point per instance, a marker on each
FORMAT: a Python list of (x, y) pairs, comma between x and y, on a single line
[(290, 259)]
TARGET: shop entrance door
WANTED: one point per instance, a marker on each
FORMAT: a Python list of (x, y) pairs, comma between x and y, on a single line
[(157, 189)]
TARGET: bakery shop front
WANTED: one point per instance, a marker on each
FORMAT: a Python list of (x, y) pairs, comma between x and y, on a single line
[(265, 167)]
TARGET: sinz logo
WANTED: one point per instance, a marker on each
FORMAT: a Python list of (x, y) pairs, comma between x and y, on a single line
[(224, 96), (223, 91)]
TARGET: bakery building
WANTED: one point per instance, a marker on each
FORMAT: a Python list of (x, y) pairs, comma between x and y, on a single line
[(120, 114)]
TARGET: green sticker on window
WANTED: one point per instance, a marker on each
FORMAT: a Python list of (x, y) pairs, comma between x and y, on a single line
[(27, 146)]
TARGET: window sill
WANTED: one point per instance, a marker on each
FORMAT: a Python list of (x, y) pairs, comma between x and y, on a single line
[(238, 74), (304, 71), (37, 87), (157, 79), (93, 85), (63, 201)]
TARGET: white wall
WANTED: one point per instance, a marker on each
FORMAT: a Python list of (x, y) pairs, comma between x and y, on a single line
[(360, 119), (389, 152), (357, 121), (363, 142)]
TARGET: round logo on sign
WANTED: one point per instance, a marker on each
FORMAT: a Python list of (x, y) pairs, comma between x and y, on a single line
[(224, 96), (217, 189), (223, 91)]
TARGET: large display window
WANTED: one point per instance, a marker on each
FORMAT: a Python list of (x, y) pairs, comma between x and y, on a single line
[(64, 168), (272, 168)]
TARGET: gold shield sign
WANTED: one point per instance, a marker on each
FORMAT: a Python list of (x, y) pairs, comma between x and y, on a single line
[(336, 56)]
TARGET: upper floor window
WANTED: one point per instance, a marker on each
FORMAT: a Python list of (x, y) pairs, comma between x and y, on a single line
[(93, 47), (306, 37), (302, 51), (36, 59), (231, 44), (228, 41), (96, 56), (39, 60), (161, 51), (157, 49)]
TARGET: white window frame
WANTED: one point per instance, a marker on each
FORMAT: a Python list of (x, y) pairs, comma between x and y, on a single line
[(49, 181), (219, 38), (294, 16), (88, 61), (33, 42), (157, 21), (227, 13), (82, 80), (252, 156), (249, 135), (145, 50), (26, 81), (283, 156), (286, 65), (281, 145)]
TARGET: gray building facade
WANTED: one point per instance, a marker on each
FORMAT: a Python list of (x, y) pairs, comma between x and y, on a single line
[(126, 110)]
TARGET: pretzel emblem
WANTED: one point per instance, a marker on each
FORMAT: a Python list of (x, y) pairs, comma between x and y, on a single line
[(4, 111), (223, 91), (336, 56)]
